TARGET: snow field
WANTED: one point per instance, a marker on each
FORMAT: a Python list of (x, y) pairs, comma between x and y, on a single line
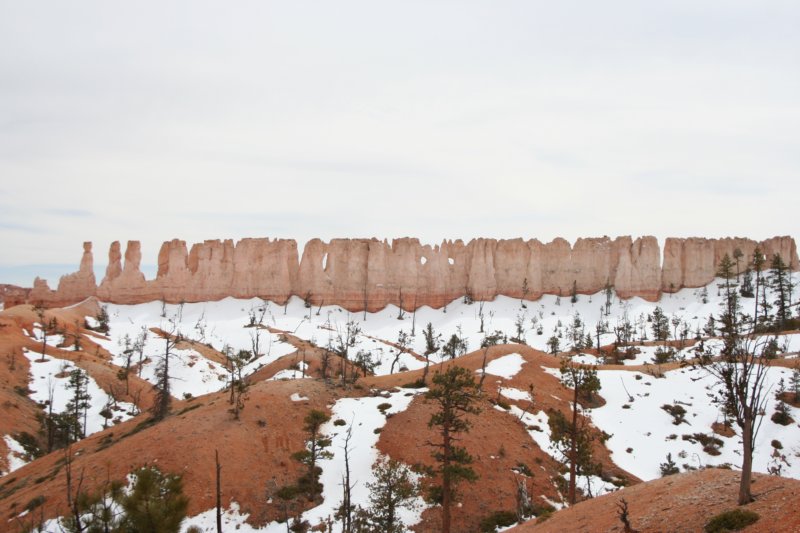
[(506, 366), (647, 430), (54, 372)]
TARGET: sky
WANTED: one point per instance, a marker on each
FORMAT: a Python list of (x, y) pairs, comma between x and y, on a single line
[(433, 119)]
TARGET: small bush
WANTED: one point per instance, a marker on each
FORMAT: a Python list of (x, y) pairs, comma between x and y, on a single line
[(782, 417), (711, 444), (34, 503), (498, 519), (677, 411), (502, 404), (776, 444), (339, 422), (384, 406), (731, 521), (522, 468)]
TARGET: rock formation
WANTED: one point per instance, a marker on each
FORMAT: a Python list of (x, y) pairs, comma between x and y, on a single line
[(370, 273), (72, 288)]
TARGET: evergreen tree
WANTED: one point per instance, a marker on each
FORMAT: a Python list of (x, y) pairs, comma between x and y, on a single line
[(746, 288), (315, 450), (393, 489), (455, 347), (238, 384), (155, 504), (573, 438), (455, 393), (780, 281), (737, 256), (794, 382), (432, 342), (669, 467), (660, 325), (163, 399), (79, 404)]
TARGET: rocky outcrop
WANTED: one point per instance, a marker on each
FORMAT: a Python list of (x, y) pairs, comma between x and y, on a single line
[(72, 288), (370, 273), (693, 262)]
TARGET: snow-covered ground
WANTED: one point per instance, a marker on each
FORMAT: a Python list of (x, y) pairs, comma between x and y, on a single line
[(643, 433), (363, 418), (51, 376), (16, 455), (223, 323)]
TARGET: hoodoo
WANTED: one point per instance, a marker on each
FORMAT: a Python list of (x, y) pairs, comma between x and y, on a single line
[(370, 273)]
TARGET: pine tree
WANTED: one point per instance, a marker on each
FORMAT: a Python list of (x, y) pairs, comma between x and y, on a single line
[(660, 325), (573, 438), (238, 384), (393, 489), (315, 450), (79, 404), (794, 382), (669, 467), (455, 393), (780, 282), (163, 399), (156, 503), (432, 342)]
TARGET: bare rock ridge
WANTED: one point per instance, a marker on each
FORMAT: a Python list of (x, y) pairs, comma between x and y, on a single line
[(359, 273)]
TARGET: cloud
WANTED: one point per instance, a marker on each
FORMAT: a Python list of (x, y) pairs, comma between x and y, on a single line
[(71, 213)]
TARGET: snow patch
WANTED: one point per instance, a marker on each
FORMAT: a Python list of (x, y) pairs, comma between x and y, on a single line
[(506, 367), (16, 454)]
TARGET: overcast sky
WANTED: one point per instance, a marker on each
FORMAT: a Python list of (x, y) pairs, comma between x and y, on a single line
[(434, 119)]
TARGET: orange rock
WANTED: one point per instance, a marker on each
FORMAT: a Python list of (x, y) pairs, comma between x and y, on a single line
[(359, 273)]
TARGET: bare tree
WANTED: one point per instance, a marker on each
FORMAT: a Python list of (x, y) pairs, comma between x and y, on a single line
[(345, 512), (403, 341), (219, 491), (741, 372)]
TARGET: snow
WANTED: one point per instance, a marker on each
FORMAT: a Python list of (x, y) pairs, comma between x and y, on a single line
[(16, 453), (223, 323), (506, 366), (295, 397), (647, 429), (364, 418), (515, 394), (537, 426), (232, 520), (292, 373), (54, 372)]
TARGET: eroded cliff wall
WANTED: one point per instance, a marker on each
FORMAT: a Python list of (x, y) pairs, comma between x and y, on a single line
[(370, 273)]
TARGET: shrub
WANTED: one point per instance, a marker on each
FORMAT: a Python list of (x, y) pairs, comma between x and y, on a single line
[(498, 519), (711, 444), (781, 415), (669, 467), (731, 521), (384, 406), (522, 468), (339, 422), (677, 411)]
